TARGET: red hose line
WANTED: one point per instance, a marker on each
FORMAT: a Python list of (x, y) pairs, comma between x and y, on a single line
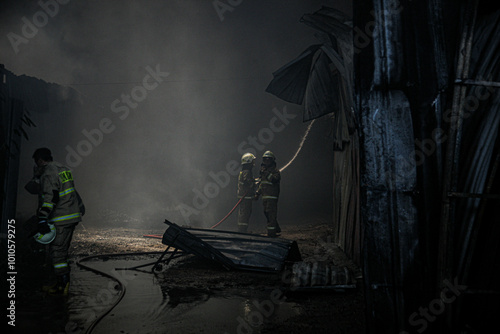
[(220, 222), (281, 170), (238, 203)]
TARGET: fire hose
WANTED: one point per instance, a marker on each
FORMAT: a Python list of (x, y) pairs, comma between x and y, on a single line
[(122, 287), (281, 169), (229, 213)]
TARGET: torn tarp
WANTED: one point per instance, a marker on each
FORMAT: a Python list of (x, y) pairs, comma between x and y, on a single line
[(321, 77), (308, 79), (290, 81), (233, 250)]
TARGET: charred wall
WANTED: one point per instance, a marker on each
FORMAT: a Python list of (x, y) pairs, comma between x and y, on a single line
[(405, 91)]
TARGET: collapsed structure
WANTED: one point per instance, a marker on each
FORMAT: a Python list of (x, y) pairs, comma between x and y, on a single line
[(251, 252), (232, 250)]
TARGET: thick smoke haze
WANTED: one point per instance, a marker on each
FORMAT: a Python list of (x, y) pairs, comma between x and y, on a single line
[(165, 96)]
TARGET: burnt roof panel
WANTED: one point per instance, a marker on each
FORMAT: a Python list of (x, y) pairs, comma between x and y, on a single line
[(233, 250)]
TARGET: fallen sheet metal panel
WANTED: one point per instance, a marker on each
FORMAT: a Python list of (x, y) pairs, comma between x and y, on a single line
[(307, 276), (232, 249)]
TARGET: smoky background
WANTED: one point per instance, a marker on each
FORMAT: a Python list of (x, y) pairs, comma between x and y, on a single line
[(190, 125)]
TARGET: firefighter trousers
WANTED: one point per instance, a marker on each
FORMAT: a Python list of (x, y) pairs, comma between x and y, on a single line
[(271, 213), (58, 248), (244, 212)]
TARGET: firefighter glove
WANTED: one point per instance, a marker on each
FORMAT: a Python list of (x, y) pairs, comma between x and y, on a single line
[(43, 227)]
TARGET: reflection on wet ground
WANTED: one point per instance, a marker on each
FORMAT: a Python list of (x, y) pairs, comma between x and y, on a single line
[(152, 305), (188, 296)]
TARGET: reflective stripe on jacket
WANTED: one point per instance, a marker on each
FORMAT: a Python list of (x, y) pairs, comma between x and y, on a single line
[(246, 184), (60, 201), (269, 186)]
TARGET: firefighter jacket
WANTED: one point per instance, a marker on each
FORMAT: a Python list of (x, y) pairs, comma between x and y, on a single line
[(61, 203), (246, 182), (33, 186), (270, 178)]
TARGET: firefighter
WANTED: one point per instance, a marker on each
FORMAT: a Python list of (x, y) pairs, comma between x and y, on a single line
[(61, 207), (246, 189), (269, 189)]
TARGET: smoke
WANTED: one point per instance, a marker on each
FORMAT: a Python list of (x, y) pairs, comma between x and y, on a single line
[(165, 144)]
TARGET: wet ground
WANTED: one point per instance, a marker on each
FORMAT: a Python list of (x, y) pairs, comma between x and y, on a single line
[(187, 296)]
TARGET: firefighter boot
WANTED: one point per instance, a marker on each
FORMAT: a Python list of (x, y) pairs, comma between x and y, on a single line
[(271, 231), (61, 287)]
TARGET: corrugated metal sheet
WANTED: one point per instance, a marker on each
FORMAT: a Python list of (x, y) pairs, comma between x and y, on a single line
[(346, 224), (233, 250), (412, 167)]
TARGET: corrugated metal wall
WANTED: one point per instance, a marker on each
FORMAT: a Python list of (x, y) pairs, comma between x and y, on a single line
[(346, 223), (429, 161)]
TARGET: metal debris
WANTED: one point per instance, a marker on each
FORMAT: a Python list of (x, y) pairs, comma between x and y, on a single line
[(233, 250)]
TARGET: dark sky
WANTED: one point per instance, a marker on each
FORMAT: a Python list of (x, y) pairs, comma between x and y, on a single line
[(179, 86)]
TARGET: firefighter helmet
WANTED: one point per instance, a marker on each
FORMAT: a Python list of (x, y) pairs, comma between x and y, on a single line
[(247, 158), (268, 154), (46, 238)]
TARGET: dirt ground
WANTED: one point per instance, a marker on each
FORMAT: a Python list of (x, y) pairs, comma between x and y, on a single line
[(324, 311)]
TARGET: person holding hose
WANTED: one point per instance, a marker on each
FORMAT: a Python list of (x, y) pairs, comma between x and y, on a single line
[(269, 189), (246, 190)]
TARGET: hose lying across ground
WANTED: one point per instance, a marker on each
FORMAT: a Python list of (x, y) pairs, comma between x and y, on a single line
[(122, 286), (99, 272)]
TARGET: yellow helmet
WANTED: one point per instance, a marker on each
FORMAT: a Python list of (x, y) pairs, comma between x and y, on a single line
[(247, 158), (269, 154)]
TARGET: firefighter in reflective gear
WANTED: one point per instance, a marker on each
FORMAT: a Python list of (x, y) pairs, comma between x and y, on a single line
[(246, 190), (61, 206), (269, 189)]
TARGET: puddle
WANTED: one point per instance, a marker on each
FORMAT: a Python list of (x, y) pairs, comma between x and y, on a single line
[(150, 306)]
